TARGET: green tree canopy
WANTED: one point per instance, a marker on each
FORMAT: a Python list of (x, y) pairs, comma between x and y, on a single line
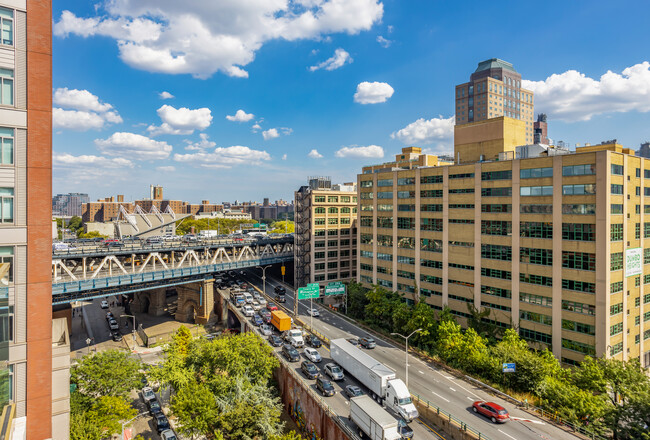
[(107, 373)]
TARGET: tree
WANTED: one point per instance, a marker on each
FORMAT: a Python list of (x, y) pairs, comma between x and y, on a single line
[(75, 223), (107, 373), (291, 435), (92, 234), (196, 409), (108, 411), (357, 300), (401, 317), (379, 310), (282, 227), (422, 317), (83, 427)]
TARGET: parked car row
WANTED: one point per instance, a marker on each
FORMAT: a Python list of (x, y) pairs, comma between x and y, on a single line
[(156, 411)]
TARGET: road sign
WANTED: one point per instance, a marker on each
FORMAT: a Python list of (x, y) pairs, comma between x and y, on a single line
[(509, 367), (283, 269), (310, 291), (335, 288)]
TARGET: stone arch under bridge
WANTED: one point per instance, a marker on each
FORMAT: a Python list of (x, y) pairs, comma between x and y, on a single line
[(200, 297)]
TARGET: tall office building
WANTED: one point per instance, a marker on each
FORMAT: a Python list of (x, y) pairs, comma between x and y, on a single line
[(325, 235), (69, 205), (494, 90), (34, 350)]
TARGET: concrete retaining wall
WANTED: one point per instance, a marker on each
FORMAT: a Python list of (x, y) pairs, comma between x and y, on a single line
[(442, 423)]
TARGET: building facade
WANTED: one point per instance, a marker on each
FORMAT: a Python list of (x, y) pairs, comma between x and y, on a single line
[(325, 233), (494, 90), (557, 246), (69, 205)]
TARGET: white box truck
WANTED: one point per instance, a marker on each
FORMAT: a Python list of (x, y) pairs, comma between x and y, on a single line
[(372, 420), (380, 380)]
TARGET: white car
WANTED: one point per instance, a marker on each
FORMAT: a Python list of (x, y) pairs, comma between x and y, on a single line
[(262, 302), (148, 394), (266, 330), (113, 325), (313, 312), (313, 355), (249, 298), (256, 305), (248, 310), (257, 296), (168, 434), (104, 304)]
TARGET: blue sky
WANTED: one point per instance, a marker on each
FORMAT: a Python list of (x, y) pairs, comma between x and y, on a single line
[(324, 86)]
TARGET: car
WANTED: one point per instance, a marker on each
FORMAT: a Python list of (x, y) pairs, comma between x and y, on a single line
[(154, 407), (148, 394), (325, 387), (265, 329), (256, 295), (281, 297), (113, 325), (168, 435), (247, 311), (275, 340), (257, 320), (312, 355), (262, 302), (104, 304), (256, 305), (309, 370), (404, 429), (353, 391), (493, 411), (313, 312), (280, 289), (265, 314), (271, 307), (353, 341), (334, 371), (116, 336), (162, 423), (367, 342), (313, 341), (109, 315), (290, 353)]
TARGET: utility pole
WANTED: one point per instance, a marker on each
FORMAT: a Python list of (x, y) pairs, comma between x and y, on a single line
[(263, 277)]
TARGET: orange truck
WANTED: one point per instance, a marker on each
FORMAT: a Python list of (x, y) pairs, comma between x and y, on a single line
[(280, 320)]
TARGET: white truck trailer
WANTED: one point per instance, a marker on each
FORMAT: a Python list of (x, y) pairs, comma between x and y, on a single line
[(372, 420), (377, 377)]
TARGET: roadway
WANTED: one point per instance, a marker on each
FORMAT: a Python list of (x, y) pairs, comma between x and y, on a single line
[(451, 394)]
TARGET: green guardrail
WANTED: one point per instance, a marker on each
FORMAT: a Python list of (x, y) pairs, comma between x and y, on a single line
[(453, 420)]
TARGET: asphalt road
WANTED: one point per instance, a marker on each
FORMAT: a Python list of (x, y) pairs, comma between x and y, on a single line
[(452, 395)]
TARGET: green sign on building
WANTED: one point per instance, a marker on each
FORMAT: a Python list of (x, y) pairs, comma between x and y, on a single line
[(335, 288), (310, 291)]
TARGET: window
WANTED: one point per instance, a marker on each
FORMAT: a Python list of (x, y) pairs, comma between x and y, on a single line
[(431, 263), (406, 223), (332, 221), (462, 176), (363, 195), (365, 222), (6, 143), (321, 266), (405, 260), (536, 256), (497, 175), (496, 192), (496, 291), (347, 210), (319, 255), (579, 260), (578, 327), (406, 181), (584, 209), (406, 242), (616, 349), (536, 191), (536, 229), (535, 317), (536, 209), (569, 190), (496, 252), (615, 287), (406, 208), (646, 230), (579, 347), (577, 307), (385, 240), (579, 286), (431, 193), (637, 231), (384, 195), (430, 279), (496, 273), (496, 208), (7, 26), (333, 210), (405, 194), (532, 335), (617, 169), (533, 173), (384, 207), (7, 256), (384, 222), (462, 191), (494, 306), (6, 205), (332, 199), (540, 280), (616, 261), (431, 224), (461, 266), (530, 298), (582, 231), (615, 309), (431, 208), (366, 238), (461, 221), (432, 245), (6, 87), (319, 244), (496, 227), (430, 179), (366, 184), (384, 182), (345, 199), (616, 189), (319, 210), (319, 233), (406, 274)]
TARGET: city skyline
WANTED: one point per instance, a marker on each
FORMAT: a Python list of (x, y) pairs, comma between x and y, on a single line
[(259, 114)]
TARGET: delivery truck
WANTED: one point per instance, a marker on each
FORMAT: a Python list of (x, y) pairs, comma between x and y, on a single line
[(382, 382), (372, 420), (280, 320)]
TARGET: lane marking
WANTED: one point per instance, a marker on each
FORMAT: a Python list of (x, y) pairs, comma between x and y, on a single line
[(452, 389), (420, 371), (520, 419), (446, 400), (469, 398), (507, 435)]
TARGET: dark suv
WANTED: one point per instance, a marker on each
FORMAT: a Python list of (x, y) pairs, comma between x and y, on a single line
[(309, 369), (290, 353), (281, 290), (325, 387)]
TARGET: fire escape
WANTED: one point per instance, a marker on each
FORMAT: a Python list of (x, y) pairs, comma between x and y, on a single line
[(302, 236)]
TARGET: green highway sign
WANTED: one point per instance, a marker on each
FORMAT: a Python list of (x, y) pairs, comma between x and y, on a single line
[(335, 288), (310, 291)]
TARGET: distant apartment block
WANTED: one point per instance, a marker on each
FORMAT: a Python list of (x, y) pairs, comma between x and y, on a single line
[(69, 205), (325, 235)]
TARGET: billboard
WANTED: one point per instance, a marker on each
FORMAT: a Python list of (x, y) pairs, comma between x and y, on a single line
[(633, 262)]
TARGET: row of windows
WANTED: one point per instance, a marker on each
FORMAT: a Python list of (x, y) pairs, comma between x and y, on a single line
[(539, 280), (334, 210), (496, 273), (578, 327), (335, 199), (525, 191), (496, 291), (332, 221), (462, 176), (539, 300), (578, 307), (535, 317)]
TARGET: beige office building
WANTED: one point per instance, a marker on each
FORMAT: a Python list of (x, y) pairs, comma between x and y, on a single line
[(325, 236), (556, 243)]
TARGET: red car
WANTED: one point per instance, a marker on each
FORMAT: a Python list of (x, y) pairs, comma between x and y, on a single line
[(271, 307), (491, 410)]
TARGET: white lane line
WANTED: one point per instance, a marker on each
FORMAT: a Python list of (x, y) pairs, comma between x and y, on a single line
[(446, 400), (457, 384), (420, 371), (448, 377), (528, 420), (507, 435), (452, 389), (469, 398)]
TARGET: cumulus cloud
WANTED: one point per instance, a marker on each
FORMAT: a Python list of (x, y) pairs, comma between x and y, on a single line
[(202, 145), (68, 160), (573, 96), (224, 157), (255, 128), (284, 157), (201, 37), (181, 120), (71, 169), (133, 146), (271, 133), (426, 131), (383, 42), (166, 169), (165, 95), (373, 92), (339, 59), (314, 154), (369, 152), (80, 110), (240, 116)]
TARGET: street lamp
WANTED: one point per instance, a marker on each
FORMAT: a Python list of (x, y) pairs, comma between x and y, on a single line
[(407, 351), (129, 421), (131, 316), (263, 277)]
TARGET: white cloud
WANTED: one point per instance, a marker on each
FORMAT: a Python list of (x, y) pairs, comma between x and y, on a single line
[(339, 59), (240, 116), (201, 37), (255, 128), (314, 154), (373, 92), (166, 169), (271, 133), (181, 120), (133, 146), (284, 157), (69, 169), (383, 42), (202, 145), (369, 152), (81, 111), (572, 96), (224, 157), (390, 29), (165, 95), (61, 160), (426, 131)]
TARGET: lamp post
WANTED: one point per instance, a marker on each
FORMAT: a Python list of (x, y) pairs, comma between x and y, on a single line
[(407, 351), (131, 316), (129, 421), (263, 277)]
